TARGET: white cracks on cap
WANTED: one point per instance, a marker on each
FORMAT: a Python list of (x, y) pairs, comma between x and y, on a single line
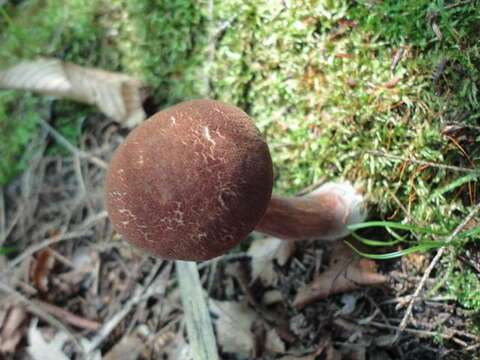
[(222, 193), (145, 232), (140, 160), (127, 213), (118, 194), (173, 121), (206, 133), (178, 214)]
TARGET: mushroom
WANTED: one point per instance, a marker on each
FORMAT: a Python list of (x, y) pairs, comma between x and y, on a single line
[(193, 180)]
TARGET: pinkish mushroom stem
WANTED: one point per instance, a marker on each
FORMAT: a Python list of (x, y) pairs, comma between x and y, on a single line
[(322, 214)]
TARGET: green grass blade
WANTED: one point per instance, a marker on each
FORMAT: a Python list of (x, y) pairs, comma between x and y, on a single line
[(369, 242), (454, 184), (470, 233), (428, 245), (7, 250), (392, 225)]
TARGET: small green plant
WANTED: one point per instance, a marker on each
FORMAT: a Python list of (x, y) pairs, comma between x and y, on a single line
[(465, 287), (18, 118), (424, 242), (416, 238), (7, 250)]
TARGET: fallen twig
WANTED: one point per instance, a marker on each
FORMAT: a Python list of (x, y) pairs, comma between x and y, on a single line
[(428, 271), (41, 245), (37, 310), (423, 162), (140, 293), (67, 316), (74, 150)]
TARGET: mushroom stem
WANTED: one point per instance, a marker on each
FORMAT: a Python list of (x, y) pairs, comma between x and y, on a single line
[(322, 214)]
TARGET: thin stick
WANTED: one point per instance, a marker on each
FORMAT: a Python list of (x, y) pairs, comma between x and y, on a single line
[(199, 325), (67, 316), (4, 235), (75, 151), (35, 309), (43, 244), (423, 162), (141, 293), (420, 332), (432, 265), (2, 218)]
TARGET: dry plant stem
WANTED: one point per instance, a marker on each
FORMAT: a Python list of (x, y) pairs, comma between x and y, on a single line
[(301, 218), (2, 218), (67, 316), (43, 244), (75, 151), (422, 162), (37, 310), (141, 293), (199, 325), (432, 265)]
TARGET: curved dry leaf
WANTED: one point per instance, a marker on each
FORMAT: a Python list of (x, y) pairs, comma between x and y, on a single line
[(128, 348), (263, 252), (117, 95), (345, 273), (39, 349), (234, 322)]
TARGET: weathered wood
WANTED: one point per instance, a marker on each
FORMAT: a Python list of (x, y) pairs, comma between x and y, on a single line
[(199, 324)]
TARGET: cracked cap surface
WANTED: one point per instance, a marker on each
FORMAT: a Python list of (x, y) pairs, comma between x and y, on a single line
[(190, 182)]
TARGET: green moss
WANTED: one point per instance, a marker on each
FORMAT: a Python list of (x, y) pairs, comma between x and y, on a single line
[(465, 287), (163, 42), (316, 77), (33, 29), (18, 118)]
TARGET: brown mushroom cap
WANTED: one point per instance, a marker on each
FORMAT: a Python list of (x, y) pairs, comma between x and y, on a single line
[(190, 182)]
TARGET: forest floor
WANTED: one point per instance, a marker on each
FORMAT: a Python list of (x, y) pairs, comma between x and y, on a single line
[(380, 93)]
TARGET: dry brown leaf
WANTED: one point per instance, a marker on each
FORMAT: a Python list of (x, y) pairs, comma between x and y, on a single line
[(273, 342), (12, 328), (129, 348), (263, 252), (415, 261), (39, 349), (174, 348), (345, 273), (85, 267), (234, 322), (117, 95), (325, 347)]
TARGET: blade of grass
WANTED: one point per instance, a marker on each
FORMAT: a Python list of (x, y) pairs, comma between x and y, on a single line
[(392, 225), (369, 242), (453, 185), (428, 245), (7, 250)]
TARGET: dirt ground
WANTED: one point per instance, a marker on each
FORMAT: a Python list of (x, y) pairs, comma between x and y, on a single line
[(73, 286)]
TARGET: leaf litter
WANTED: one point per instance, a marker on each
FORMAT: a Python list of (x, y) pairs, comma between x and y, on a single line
[(281, 302)]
